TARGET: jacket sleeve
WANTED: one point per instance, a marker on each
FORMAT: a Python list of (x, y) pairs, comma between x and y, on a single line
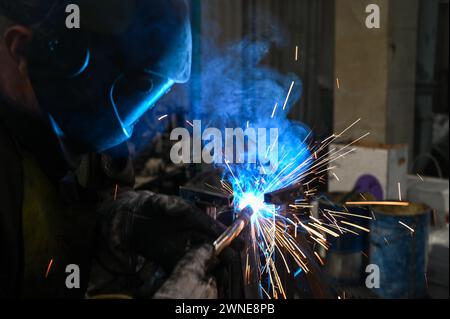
[(190, 278), (11, 193)]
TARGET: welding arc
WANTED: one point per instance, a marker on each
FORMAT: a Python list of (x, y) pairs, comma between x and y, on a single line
[(233, 232)]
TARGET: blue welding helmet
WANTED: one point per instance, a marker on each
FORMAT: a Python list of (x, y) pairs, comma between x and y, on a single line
[(95, 82)]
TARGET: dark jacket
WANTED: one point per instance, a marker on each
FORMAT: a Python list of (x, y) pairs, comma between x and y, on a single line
[(20, 133), (69, 207), (11, 192)]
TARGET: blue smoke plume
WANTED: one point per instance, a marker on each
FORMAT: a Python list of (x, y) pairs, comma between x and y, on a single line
[(233, 88), (238, 91)]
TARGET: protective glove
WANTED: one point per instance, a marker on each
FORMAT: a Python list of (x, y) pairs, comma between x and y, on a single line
[(158, 227), (191, 278)]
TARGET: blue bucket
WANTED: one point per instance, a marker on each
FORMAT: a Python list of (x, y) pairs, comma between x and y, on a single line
[(399, 252), (346, 263)]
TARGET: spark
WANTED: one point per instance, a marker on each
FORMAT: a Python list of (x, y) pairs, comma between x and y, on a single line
[(408, 227), (288, 95), (49, 267), (190, 123), (270, 149), (348, 214), (274, 230), (335, 176), (265, 292), (320, 259), (231, 171), (420, 177), (325, 170), (338, 83), (349, 127), (247, 270), (301, 206), (356, 226), (346, 230), (377, 203), (310, 230), (399, 192), (226, 187), (162, 117), (334, 222), (330, 232), (274, 110), (296, 53), (319, 242), (316, 220)]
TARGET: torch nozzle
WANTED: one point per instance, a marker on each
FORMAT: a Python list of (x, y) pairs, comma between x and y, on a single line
[(233, 231)]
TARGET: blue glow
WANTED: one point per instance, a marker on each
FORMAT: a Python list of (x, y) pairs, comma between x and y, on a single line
[(231, 94), (252, 200), (125, 130), (236, 95), (58, 131), (135, 112), (298, 272), (84, 66), (250, 185)]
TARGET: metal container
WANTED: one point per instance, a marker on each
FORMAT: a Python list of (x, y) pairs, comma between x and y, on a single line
[(346, 261), (398, 246)]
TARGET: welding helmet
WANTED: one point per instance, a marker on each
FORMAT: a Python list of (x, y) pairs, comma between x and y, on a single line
[(95, 82)]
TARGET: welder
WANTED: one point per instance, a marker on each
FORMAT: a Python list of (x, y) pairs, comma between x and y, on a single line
[(69, 98)]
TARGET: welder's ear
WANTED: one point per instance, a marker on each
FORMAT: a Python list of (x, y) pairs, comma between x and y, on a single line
[(17, 40)]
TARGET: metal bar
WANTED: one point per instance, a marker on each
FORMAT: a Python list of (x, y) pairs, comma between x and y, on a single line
[(232, 232)]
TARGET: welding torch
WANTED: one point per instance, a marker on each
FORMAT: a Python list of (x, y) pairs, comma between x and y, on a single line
[(279, 197), (209, 200), (212, 199)]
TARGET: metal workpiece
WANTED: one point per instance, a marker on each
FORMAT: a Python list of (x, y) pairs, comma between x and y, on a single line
[(233, 231), (206, 197), (285, 195)]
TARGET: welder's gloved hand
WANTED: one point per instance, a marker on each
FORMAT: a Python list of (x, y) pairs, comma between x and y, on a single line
[(191, 278), (158, 227)]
